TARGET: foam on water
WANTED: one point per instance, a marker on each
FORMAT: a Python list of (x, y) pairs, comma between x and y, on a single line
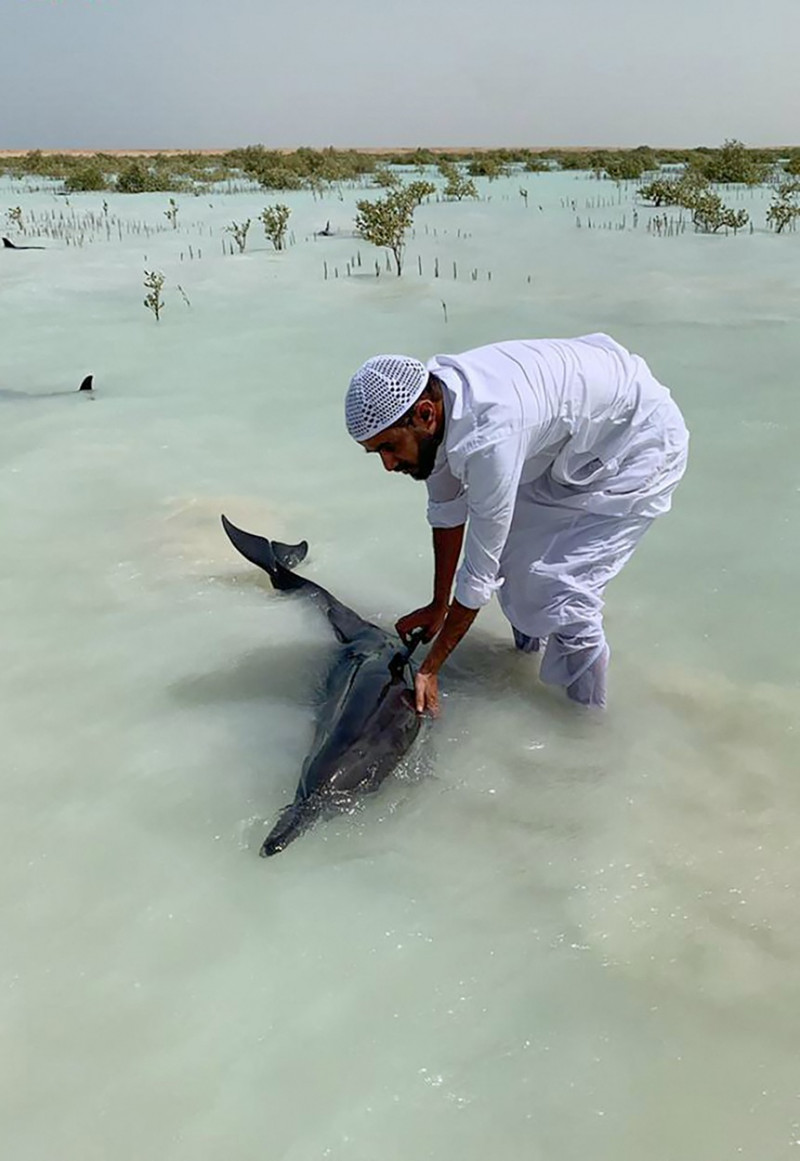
[(550, 937)]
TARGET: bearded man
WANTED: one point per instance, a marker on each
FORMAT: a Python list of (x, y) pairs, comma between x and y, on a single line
[(547, 461)]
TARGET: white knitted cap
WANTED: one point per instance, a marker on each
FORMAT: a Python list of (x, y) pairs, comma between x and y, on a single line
[(380, 392)]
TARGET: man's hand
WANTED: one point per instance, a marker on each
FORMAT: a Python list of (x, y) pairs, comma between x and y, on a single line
[(430, 619), (426, 693)]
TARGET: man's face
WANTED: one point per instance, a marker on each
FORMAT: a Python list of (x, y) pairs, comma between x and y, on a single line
[(408, 448)]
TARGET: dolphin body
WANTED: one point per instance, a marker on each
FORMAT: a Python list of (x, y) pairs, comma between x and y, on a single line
[(87, 384), (367, 721), (9, 245)]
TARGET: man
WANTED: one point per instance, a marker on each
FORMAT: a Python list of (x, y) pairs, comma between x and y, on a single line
[(555, 456)]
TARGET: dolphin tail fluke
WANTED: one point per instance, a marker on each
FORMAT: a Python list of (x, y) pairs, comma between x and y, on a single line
[(290, 555), (278, 560), (294, 820), (275, 558)]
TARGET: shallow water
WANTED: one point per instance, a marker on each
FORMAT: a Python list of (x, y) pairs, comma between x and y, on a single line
[(550, 937)]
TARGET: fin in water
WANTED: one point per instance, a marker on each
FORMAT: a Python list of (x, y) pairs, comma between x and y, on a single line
[(290, 555), (9, 245), (86, 385), (276, 559)]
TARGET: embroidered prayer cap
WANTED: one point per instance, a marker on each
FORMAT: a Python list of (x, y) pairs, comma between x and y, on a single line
[(380, 392)]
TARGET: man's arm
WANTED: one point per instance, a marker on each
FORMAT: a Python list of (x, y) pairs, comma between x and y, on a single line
[(492, 480), (426, 684), (446, 554)]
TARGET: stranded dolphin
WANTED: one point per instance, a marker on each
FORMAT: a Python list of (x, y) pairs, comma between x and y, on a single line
[(367, 721)]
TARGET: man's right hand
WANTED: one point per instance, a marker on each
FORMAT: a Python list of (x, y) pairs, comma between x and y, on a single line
[(430, 619)]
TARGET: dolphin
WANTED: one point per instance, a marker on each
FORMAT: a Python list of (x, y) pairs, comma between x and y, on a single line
[(367, 721), (87, 384), (9, 245)]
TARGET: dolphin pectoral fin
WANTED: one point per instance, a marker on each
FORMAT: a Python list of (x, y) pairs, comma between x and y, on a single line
[(292, 822)]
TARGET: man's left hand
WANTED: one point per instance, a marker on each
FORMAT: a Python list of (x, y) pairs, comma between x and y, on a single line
[(426, 693)]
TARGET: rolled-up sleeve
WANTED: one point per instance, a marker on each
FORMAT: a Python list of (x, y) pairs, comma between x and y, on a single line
[(492, 478), (447, 499)]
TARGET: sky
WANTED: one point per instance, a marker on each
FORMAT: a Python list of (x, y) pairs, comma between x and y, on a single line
[(193, 74)]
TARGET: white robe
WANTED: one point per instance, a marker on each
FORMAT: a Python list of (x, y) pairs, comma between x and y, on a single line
[(557, 454)]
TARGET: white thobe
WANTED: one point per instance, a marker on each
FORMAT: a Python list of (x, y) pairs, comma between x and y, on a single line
[(557, 454)]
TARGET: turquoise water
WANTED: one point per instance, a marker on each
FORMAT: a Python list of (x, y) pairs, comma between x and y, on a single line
[(550, 936)]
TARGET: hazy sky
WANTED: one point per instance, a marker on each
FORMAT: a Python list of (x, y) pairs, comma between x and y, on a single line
[(217, 73)]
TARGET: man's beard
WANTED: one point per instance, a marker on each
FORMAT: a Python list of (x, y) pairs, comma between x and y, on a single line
[(426, 457)]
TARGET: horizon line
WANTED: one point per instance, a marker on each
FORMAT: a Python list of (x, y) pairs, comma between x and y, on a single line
[(368, 149)]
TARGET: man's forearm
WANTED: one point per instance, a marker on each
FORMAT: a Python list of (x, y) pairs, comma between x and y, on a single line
[(456, 624), (446, 553)]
